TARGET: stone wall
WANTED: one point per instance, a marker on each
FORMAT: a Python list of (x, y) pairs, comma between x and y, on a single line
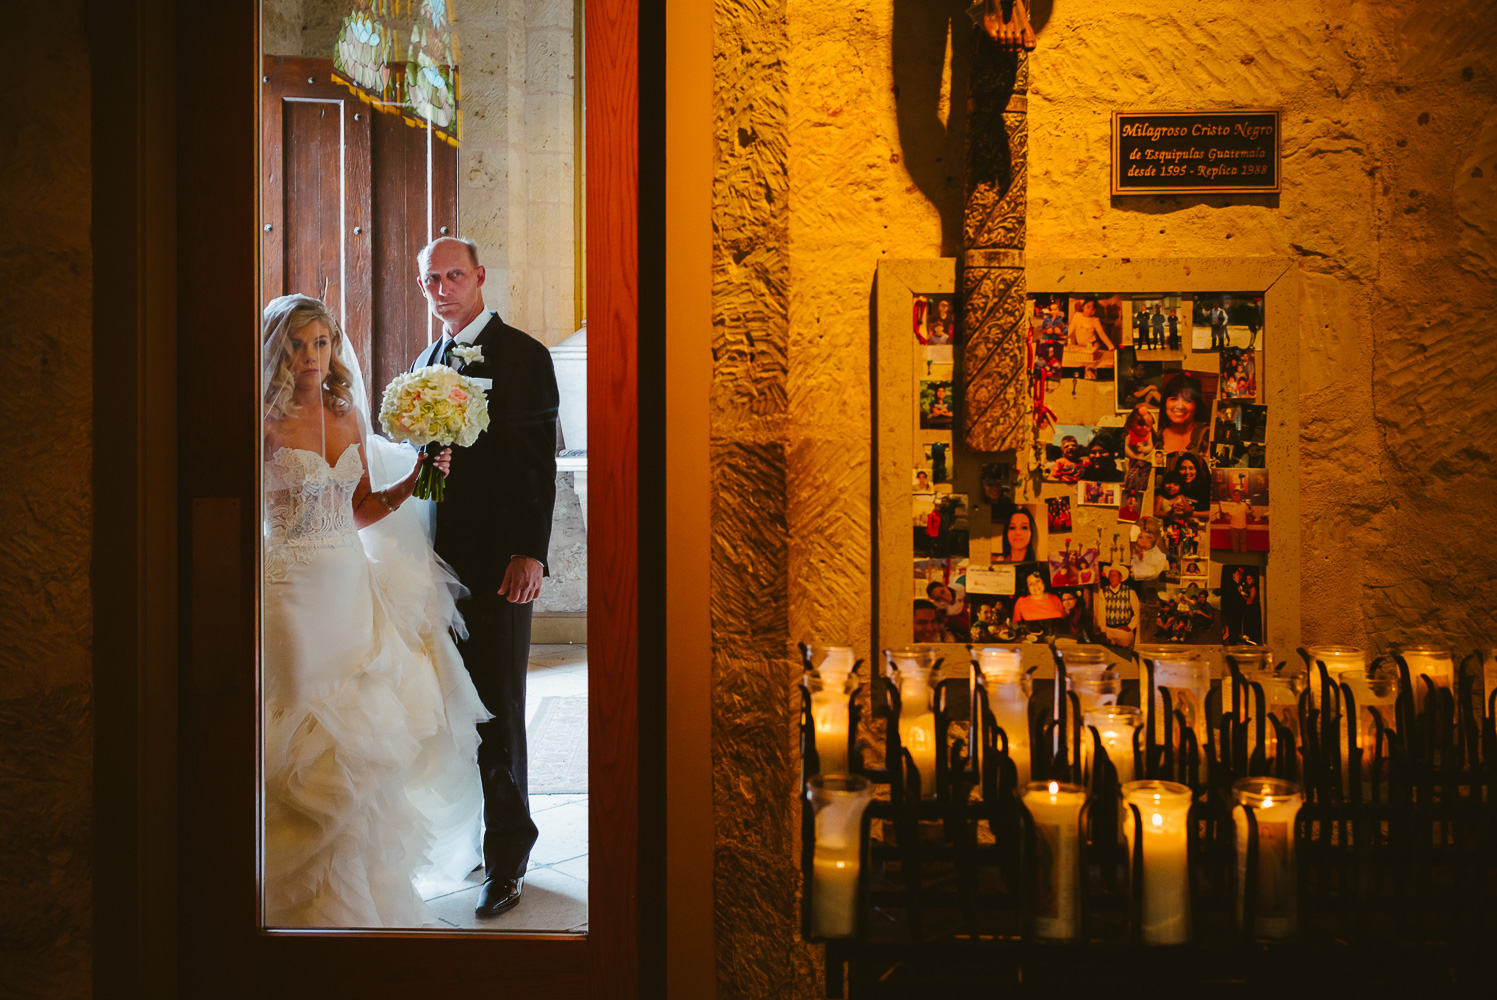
[(839, 142), (46, 508)]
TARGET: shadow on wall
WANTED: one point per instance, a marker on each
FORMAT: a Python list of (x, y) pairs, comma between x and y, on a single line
[(933, 149)]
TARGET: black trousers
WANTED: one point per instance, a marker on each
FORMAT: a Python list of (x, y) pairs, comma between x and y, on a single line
[(497, 655)]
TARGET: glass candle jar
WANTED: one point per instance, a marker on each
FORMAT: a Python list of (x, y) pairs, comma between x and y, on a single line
[(1187, 674), (917, 722), (1434, 662), (1281, 690), (839, 801), (829, 713), (1095, 688), (1375, 690), (1115, 724), (1055, 808), (1163, 827), (1274, 804), (1337, 660), (1082, 658), (1008, 695)]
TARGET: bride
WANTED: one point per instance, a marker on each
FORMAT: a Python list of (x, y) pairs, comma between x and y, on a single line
[(371, 778)]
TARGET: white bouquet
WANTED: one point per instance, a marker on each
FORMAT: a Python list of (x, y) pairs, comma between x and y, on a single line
[(434, 405)]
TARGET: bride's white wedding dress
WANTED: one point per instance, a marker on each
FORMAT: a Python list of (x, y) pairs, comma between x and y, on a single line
[(371, 777)]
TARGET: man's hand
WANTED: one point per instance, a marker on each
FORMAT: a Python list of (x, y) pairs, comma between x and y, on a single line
[(522, 580)]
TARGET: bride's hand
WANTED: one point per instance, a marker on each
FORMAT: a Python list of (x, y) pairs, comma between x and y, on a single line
[(443, 462)]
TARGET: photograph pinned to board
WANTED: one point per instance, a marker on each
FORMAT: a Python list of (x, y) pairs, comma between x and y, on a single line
[(1138, 433), (1195, 568), (991, 618), (1130, 509), (1072, 564), (1104, 456), (996, 480), (1148, 558), (923, 481), (937, 455), (1185, 412), (1065, 454), (943, 535), (1160, 322), (1239, 514), (1037, 606), (1077, 619), (1192, 473), (1226, 319), (1239, 456), (1099, 494), (1141, 381), (1021, 533), (937, 404), (1238, 422), (1239, 373), (1058, 510), (935, 319), (996, 579), (1095, 330), (1138, 475), (1241, 605), (1048, 332), (1187, 613), (941, 582), (1117, 609)]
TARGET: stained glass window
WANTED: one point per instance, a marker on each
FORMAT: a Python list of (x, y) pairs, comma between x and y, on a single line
[(417, 78)]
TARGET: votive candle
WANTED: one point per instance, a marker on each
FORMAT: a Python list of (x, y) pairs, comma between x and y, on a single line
[(1164, 818), (1056, 810), (839, 801), (1274, 803)]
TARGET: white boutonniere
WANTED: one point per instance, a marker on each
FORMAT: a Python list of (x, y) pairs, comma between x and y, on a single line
[(468, 354)]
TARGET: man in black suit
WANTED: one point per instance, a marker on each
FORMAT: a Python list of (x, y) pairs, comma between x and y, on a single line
[(494, 529)]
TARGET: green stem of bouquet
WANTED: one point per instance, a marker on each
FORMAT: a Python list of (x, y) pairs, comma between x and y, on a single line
[(431, 484)]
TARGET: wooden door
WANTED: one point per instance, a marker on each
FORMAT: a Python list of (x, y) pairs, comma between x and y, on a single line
[(352, 189), (315, 192)]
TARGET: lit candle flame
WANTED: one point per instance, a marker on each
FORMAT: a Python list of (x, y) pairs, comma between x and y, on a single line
[(1054, 787), (1158, 819), (842, 864), (1268, 802)]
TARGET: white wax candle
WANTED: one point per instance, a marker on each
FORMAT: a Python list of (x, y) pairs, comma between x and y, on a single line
[(834, 894), (1056, 811), (1276, 804), (1164, 810), (829, 713), (1116, 726), (1011, 712)]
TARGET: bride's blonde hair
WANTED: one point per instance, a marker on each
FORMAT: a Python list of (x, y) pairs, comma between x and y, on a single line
[(339, 381)]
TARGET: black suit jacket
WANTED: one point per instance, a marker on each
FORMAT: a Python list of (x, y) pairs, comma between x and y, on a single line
[(503, 488)]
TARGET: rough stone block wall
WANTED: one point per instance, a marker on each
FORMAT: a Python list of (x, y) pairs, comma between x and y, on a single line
[(839, 137), (46, 510)]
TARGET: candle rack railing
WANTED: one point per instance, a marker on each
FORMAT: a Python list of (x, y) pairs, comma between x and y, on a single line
[(1395, 844)]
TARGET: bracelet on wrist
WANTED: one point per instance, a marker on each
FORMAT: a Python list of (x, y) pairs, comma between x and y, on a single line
[(389, 507)]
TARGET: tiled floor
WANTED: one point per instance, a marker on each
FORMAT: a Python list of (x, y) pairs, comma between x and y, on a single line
[(555, 896)]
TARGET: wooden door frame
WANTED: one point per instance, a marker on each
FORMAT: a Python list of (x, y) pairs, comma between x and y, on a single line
[(176, 199)]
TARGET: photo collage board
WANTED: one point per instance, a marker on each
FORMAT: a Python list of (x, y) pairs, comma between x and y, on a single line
[(1139, 515)]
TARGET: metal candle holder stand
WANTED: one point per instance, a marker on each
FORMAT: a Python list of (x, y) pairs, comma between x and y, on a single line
[(1405, 854)]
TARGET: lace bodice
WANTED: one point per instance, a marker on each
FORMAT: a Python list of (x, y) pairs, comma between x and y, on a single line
[(308, 505)]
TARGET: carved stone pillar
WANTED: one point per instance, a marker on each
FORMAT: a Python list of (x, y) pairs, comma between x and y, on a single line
[(994, 380)]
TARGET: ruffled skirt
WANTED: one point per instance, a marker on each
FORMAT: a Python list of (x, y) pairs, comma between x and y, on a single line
[(371, 780)]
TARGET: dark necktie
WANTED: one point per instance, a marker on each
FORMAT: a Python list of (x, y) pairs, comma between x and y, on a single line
[(447, 352)]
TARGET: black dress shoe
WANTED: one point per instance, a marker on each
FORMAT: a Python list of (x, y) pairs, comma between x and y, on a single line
[(498, 895)]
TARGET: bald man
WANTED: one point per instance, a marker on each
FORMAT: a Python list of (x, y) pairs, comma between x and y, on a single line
[(494, 529)]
